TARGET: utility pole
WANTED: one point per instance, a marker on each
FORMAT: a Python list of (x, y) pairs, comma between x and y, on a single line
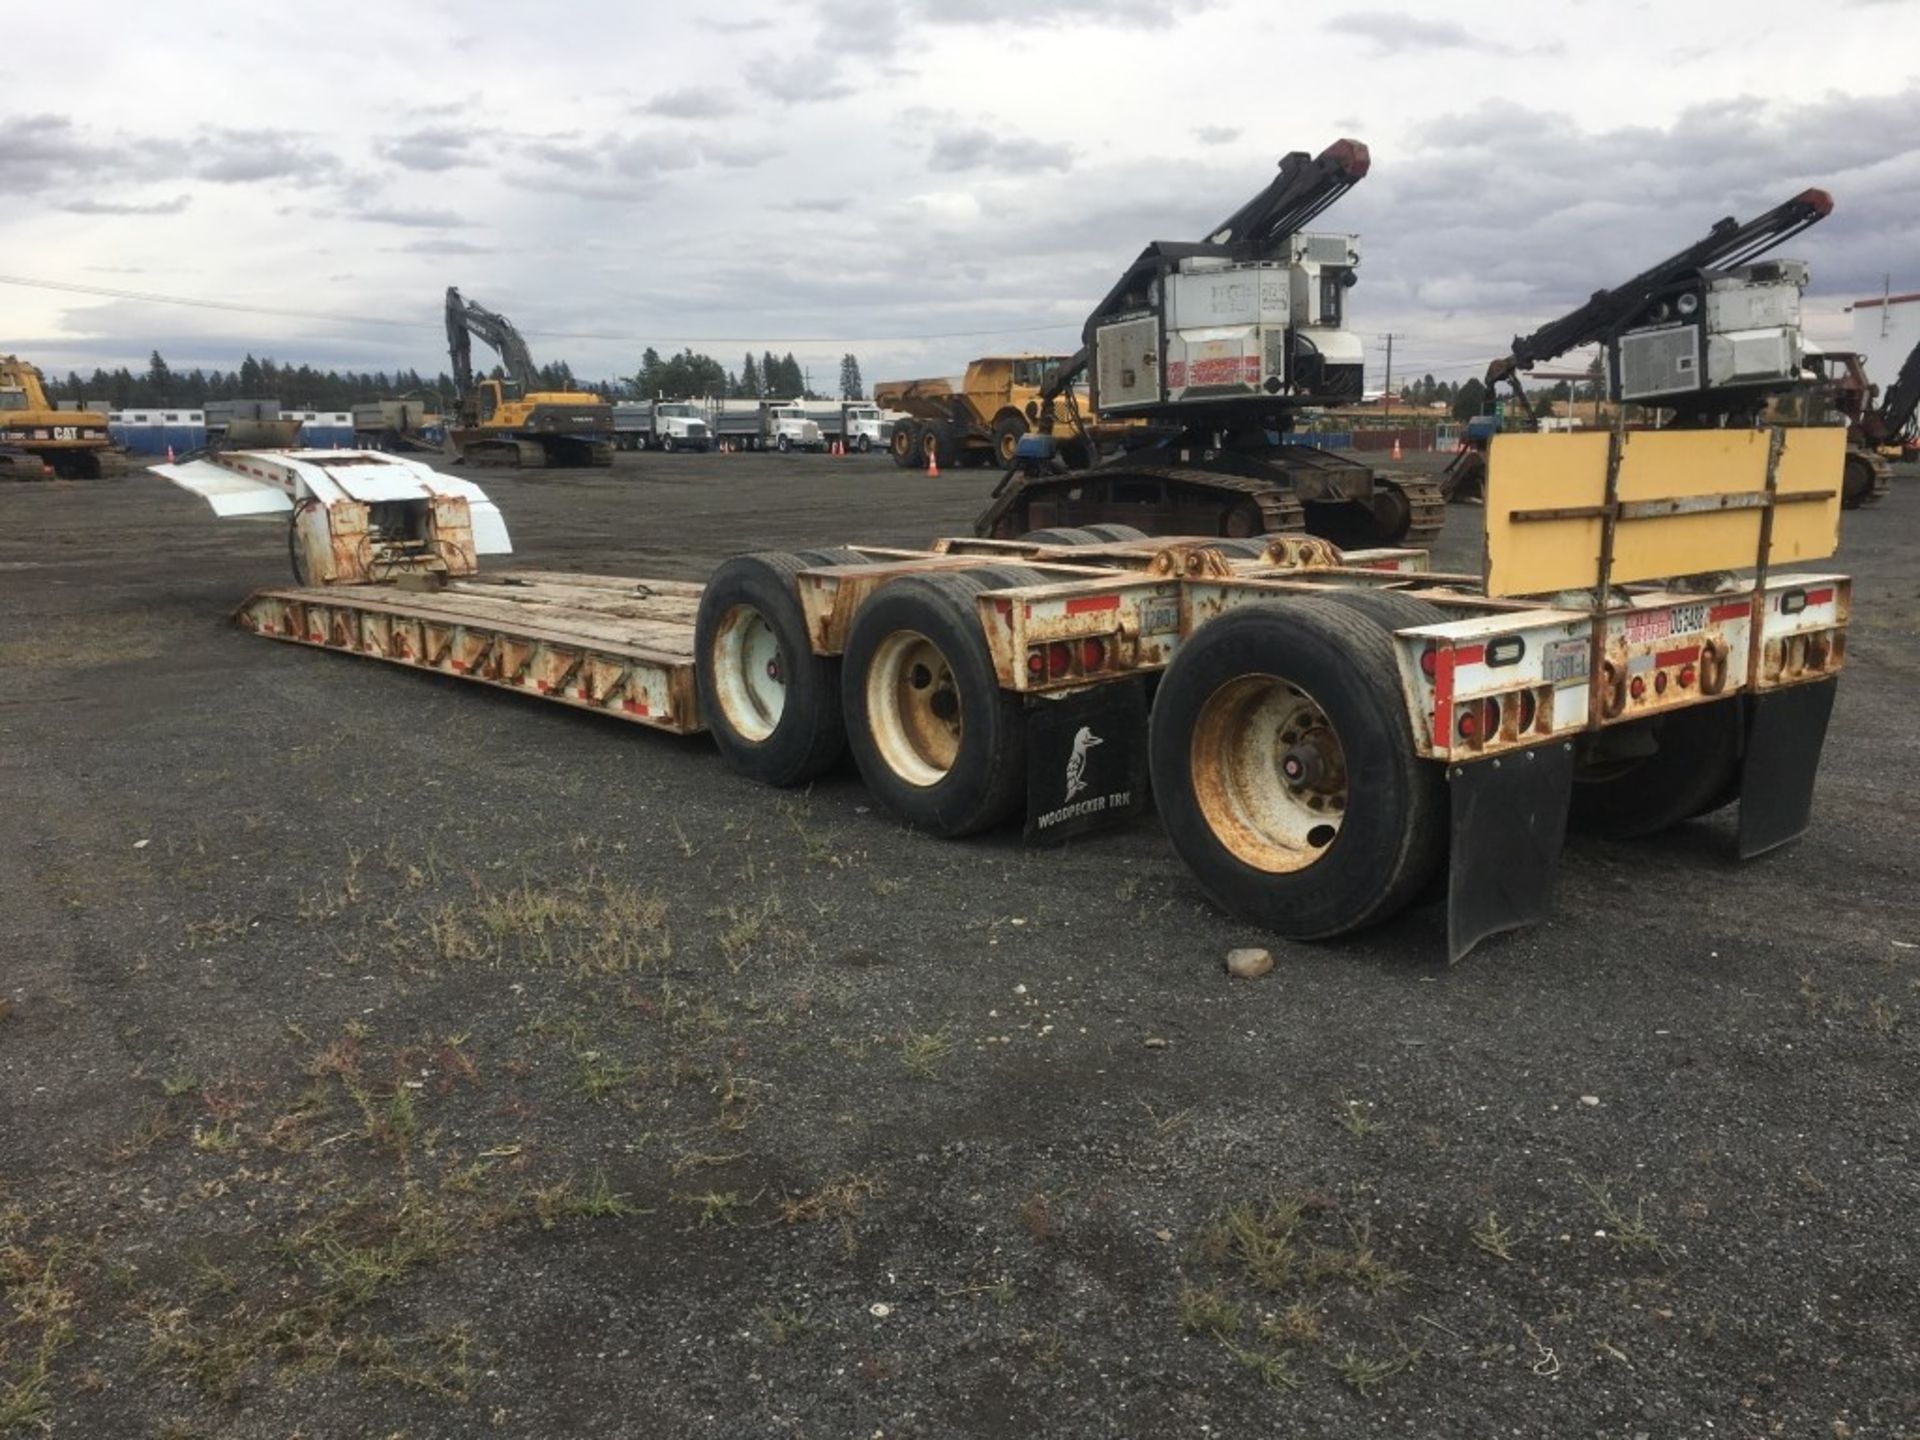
[(1386, 390)]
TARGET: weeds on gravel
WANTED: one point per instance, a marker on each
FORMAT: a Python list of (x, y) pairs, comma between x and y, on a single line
[(922, 1051), (1297, 1325), (1275, 1370), (1260, 1237), (1628, 1232), (838, 1199), (715, 1207), (1207, 1310), (1356, 1118), (564, 1200), (1493, 1237), (784, 1323), (1364, 1375), (36, 1309)]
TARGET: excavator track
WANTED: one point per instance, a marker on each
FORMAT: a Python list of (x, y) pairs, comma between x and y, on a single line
[(1261, 505), (1426, 505)]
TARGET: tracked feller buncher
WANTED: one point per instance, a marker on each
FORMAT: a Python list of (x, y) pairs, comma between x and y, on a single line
[(38, 438), (1219, 344), (513, 421), (1328, 736), (1709, 336)]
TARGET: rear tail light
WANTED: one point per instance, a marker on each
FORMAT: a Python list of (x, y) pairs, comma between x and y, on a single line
[(1637, 687), (1036, 664), (1059, 659), (1430, 661), (1093, 653), (1687, 675)]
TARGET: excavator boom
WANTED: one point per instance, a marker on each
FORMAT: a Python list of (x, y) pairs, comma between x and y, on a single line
[(465, 320)]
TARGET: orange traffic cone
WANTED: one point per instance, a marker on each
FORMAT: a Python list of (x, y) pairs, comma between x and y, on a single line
[(1396, 447), (170, 454), (933, 466)]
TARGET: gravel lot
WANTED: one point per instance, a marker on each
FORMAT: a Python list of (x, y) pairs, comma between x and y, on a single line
[(381, 1055)]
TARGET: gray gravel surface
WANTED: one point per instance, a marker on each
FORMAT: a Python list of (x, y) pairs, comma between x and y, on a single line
[(387, 1056)]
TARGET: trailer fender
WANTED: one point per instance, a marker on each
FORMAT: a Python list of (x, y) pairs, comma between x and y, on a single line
[(1786, 729), (1509, 824), (1086, 761)]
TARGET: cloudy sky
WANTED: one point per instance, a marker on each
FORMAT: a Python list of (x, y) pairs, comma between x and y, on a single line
[(913, 180)]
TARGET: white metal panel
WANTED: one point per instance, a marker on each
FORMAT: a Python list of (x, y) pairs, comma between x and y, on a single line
[(229, 494)]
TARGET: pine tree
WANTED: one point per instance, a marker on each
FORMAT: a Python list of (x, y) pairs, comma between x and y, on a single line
[(159, 379), (749, 387), (851, 386), (771, 377)]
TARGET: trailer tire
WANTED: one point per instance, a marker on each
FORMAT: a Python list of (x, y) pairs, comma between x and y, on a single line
[(1109, 533), (1694, 769), (1390, 609), (940, 745), (772, 705), (783, 444), (1318, 855)]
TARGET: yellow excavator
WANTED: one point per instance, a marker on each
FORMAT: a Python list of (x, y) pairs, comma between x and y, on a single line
[(36, 437), (512, 421)]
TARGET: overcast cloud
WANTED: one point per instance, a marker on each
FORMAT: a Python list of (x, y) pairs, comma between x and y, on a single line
[(912, 180)]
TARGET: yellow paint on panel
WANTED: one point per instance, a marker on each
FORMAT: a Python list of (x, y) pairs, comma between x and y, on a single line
[(1538, 472)]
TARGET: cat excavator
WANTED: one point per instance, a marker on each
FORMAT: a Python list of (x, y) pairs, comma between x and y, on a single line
[(37, 438), (1217, 345), (512, 421)]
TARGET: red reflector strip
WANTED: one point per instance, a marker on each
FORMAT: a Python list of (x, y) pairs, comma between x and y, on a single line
[(1676, 657), (1468, 654), (459, 667), (635, 707), (1085, 604), (1821, 596), (1443, 699), (1738, 610)]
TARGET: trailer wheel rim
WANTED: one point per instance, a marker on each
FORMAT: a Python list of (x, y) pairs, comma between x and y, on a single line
[(1269, 773), (749, 673), (913, 708)]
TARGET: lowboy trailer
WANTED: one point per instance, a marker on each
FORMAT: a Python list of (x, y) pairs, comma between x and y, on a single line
[(1323, 733)]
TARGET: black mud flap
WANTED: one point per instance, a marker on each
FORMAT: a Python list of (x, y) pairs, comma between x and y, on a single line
[(1509, 824), (1086, 761), (1785, 730)]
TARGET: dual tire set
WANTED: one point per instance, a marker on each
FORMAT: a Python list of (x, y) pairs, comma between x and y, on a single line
[(1279, 749)]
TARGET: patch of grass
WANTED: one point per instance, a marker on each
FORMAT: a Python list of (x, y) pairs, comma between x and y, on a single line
[(1275, 1370), (1493, 1237), (599, 1074), (1045, 1347), (567, 1201), (1298, 1325), (1628, 1231), (1355, 1264), (35, 1325), (716, 1207), (1261, 1237), (218, 930), (1364, 1375), (923, 1051), (837, 1199), (784, 1323), (1207, 1310), (1356, 1118)]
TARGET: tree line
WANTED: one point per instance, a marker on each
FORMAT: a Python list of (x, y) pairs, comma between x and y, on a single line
[(770, 377), (303, 387)]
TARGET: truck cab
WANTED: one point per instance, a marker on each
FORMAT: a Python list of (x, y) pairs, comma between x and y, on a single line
[(787, 426), (680, 425)]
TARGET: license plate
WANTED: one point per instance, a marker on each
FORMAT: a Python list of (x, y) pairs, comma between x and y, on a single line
[(1159, 616), (1688, 618), (1645, 625), (1565, 660)]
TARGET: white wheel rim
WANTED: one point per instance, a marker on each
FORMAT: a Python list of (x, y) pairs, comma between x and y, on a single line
[(1269, 773), (749, 673), (913, 708)]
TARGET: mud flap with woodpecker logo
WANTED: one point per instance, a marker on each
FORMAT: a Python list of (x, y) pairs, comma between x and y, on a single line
[(1086, 761), (1509, 818)]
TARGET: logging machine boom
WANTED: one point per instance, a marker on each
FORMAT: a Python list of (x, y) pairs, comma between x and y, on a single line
[(513, 421), (1219, 343), (1711, 333)]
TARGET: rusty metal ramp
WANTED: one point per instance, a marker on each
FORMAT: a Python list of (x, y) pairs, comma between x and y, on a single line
[(599, 642)]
